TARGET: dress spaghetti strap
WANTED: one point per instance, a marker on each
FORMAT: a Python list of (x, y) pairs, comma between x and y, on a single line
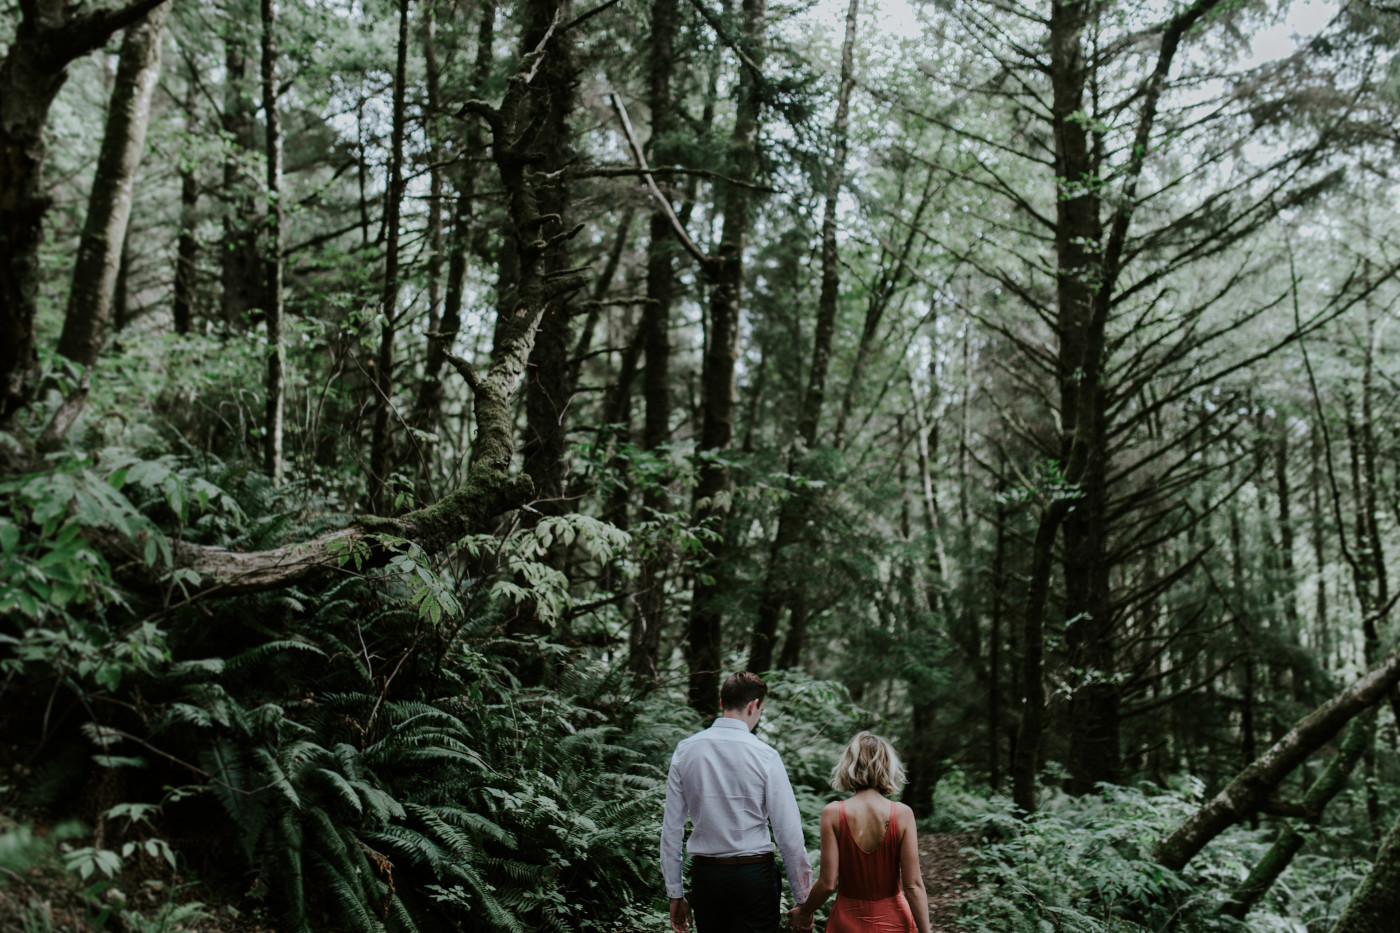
[(868, 894)]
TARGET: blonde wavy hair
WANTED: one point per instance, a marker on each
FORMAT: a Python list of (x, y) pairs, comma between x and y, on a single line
[(868, 762)]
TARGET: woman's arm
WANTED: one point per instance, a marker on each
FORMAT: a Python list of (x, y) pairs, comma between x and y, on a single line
[(911, 878), (801, 916)]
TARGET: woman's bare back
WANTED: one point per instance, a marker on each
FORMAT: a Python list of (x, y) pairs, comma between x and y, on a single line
[(868, 816)]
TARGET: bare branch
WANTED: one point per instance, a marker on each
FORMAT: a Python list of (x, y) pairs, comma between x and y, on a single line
[(699, 255), (464, 369)]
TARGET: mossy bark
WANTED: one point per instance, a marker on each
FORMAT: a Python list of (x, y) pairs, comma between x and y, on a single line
[(1251, 787), (90, 300), (50, 34), (1292, 838), (1376, 903)]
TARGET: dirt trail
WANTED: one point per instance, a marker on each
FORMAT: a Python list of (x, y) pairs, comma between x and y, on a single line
[(941, 858)]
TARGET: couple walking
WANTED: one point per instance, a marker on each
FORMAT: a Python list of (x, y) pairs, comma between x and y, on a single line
[(733, 785)]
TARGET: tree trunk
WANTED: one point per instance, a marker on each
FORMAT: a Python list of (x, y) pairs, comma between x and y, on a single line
[(113, 188), (1376, 902), (1089, 257), (381, 456), (433, 130), (427, 408), (649, 618), (423, 421), (121, 291), (601, 287), (50, 34), (1082, 317), (797, 507), (1288, 584), (1252, 786), (187, 247), (994, 664), (721, 351), (1317, 533), (1025, 764), (1290, 839), (272, 307), (1244, 622), (241, 273)]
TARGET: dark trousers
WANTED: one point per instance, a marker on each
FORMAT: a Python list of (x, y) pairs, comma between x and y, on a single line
[(736, 898)]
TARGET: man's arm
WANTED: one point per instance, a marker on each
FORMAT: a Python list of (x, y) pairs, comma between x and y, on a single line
[(673, 832), (787, 830)]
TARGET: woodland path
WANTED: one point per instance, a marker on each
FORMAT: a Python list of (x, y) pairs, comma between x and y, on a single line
[(943, 862)]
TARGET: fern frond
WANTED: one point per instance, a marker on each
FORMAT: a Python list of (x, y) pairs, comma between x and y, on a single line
[(476, 823), (341, 894), (340, 788), (277, 777), (417, 849), (260, 654)]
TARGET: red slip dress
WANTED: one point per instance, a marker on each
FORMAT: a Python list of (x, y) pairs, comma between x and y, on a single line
[(868, 896)]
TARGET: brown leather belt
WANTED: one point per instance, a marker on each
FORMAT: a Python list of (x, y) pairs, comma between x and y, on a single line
[(731, 859)]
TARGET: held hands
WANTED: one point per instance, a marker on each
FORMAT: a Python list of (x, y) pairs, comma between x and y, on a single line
[(799, 919), (680, 915)]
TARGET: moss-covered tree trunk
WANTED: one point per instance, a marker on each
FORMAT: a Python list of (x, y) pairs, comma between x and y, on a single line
[(381, 455), (99, 261), (1376, 904), (1250, 789), (50, 34), (712, 492), (272, 309), (1291, 839)]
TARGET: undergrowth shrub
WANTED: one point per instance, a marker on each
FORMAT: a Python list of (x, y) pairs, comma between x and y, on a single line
[(1084, 865), (353, 754), (381, 772)]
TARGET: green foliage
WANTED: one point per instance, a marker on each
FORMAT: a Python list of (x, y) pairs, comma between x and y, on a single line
[(46, 562), (1085, 865), (523, 810)]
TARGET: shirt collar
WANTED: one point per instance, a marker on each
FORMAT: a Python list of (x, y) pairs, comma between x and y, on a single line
[(725, 722)]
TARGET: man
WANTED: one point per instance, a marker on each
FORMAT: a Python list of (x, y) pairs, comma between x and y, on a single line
[(732, 785)]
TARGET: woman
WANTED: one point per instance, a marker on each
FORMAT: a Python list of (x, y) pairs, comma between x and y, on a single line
[(869, 847)]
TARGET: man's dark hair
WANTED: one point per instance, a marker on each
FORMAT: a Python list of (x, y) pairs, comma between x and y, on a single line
[(741, 689)]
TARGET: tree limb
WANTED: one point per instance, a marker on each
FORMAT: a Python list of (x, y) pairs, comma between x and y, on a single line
[(91, 31), (706, 261), (1252, 786)]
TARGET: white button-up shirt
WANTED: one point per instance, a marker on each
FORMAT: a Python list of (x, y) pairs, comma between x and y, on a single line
[(732, 784)]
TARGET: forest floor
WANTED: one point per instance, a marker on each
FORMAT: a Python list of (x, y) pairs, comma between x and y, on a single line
[(44, 897), (944, 863)]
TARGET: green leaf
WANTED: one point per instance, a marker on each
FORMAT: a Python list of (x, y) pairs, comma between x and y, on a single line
[(109, 676), (175, 494), (119, 761)]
